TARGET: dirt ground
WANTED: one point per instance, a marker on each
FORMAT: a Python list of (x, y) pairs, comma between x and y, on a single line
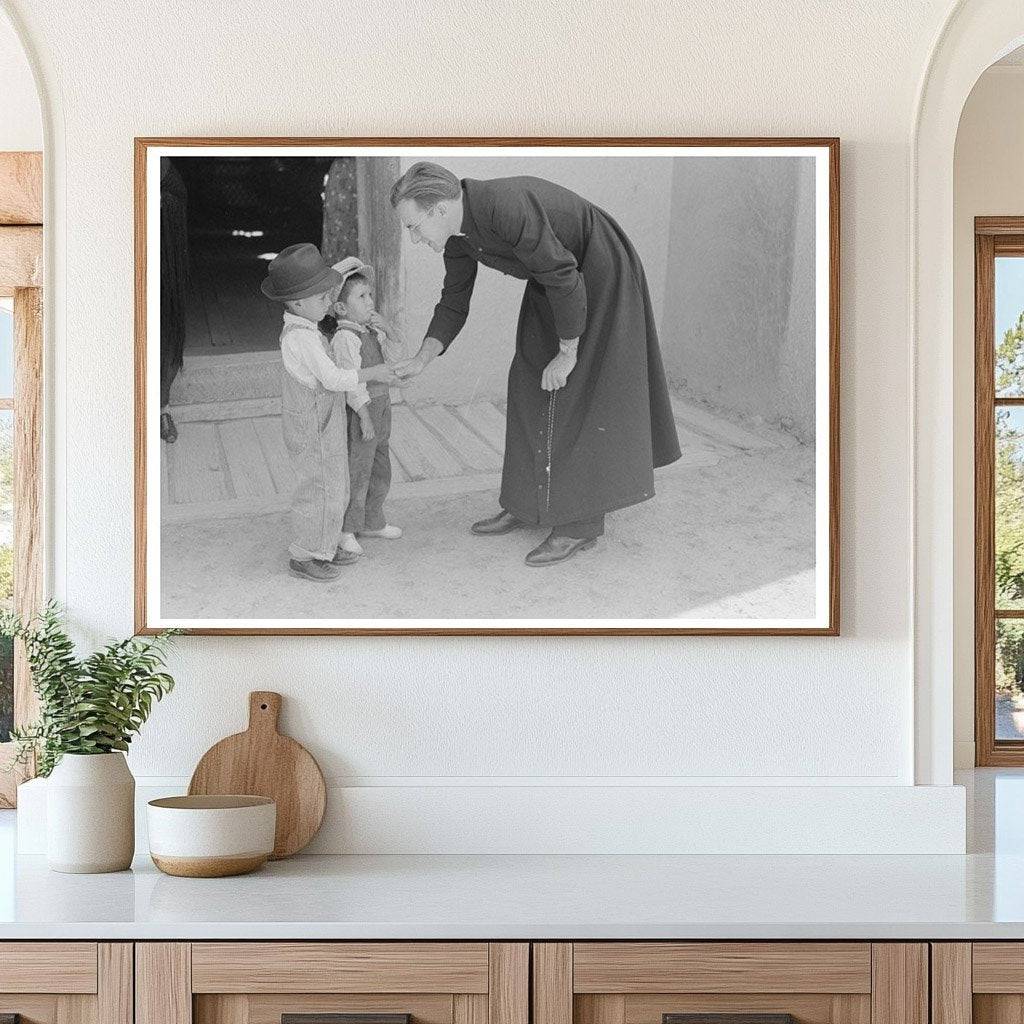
[(735, 540)]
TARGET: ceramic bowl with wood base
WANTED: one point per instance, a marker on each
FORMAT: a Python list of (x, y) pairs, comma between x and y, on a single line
[(211, 836)]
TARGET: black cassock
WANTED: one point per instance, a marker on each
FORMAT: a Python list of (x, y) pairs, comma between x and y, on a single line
[(612, 422)]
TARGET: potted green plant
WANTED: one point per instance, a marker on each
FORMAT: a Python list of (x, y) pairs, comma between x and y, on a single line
[(89, 710)]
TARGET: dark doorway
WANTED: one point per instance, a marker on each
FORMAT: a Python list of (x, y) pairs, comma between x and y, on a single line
[(241, 212)]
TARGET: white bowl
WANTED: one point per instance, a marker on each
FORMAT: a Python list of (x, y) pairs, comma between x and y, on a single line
[(211, 836)]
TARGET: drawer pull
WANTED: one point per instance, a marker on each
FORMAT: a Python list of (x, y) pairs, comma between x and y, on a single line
[(342, 1018), (728, 1018)]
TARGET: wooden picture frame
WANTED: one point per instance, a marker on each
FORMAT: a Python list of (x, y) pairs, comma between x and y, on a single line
[(825, 620)]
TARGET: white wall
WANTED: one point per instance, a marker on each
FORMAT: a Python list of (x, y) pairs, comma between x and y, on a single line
[(988, 181), (393, 712), (738, 329), (21, 125)]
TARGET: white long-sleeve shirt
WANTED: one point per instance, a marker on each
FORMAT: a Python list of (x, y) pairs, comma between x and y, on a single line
[(306, 359)]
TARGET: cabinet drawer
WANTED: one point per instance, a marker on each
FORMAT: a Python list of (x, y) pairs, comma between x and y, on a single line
[(48, 967), (751, 982), (262, 982), (635, 967), (340, 967), (66, 982)]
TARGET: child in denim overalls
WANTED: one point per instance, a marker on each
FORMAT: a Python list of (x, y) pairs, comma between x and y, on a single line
[(364, 339), (312, 417)]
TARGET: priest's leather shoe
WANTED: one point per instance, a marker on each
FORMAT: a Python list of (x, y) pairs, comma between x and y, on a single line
[(558, 549), (503, 522)]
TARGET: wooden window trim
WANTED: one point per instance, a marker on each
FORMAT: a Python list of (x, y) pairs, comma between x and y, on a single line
[(993, 236), (21, 268)]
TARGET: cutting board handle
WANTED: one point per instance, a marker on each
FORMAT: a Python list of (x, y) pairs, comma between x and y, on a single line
[(264, 710)]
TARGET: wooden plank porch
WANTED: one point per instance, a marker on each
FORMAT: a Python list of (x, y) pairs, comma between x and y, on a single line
[(230, 460)]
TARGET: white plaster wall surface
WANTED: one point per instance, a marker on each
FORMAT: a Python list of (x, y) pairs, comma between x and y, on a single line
[(987, 182), (21, 125), (689, 710), (738, 329)]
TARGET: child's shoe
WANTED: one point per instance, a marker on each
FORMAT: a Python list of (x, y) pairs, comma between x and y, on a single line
[(343, 557), (350, 544), (387, 531), (315, 569)]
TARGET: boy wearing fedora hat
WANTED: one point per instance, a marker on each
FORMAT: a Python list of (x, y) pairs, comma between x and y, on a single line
[(312, 419), (364, 339)]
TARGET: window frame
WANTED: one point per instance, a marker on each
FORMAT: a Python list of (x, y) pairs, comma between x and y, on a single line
[(21, 252), (993, 237)]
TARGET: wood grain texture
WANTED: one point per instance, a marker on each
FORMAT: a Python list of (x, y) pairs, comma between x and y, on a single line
[(468, 1008), (21, 258), (163, 983), (509, 983), (115, 988), (994, 236), (552, 983), (372, 228), (262, 762), (48, 967), (76, 1009), (32, 1009), (633, 967), (984, 502), (998, 1009), (269, 1009), (600, 1009), (340, 967), (224, 1009), (28, 483), (807, 1008), (999, 226), (899, 989), (997, 967), (21, 188), (851, 1009), (951, 983)]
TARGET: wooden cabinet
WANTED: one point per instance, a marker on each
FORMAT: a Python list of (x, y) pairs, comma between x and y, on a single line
[(980, 982), (66, 982), (260, 982), (646, 982)]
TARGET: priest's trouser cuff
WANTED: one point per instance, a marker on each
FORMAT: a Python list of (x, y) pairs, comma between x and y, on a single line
[(584, 529)]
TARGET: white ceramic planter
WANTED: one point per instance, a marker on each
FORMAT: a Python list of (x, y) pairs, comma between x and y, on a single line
[(90, 814)]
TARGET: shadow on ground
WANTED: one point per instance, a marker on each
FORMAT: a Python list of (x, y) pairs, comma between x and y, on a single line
[(734, 540)]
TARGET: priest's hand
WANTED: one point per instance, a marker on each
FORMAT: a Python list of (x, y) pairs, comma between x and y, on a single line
[(556, 373)]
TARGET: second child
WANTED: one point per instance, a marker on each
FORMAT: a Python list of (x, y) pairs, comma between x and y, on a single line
[(365, 339)]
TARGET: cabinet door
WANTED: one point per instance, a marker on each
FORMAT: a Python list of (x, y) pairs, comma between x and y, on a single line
[(749, 982), (66, 982), (981, 982), (332, 983)]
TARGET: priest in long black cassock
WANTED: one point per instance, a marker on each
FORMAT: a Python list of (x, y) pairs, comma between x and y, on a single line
[(588, 416)]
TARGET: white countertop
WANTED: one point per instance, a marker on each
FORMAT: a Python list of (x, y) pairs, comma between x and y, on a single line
[(977, 896), (532, 897)]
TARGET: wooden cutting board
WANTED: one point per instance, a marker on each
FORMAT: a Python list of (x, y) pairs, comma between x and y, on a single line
[(262, 762)]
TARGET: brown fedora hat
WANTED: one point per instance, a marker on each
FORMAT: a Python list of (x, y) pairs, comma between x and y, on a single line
[(298, 272)]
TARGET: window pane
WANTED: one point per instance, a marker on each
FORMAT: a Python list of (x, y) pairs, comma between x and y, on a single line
[(1009, 326), (6, 567), (6, 348), (1009, 679), (1009, 539)]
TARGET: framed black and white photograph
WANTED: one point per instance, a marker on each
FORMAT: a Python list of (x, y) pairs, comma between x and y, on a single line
[(516, 386)]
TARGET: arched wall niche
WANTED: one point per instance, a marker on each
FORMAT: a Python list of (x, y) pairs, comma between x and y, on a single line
[(975, 35)]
